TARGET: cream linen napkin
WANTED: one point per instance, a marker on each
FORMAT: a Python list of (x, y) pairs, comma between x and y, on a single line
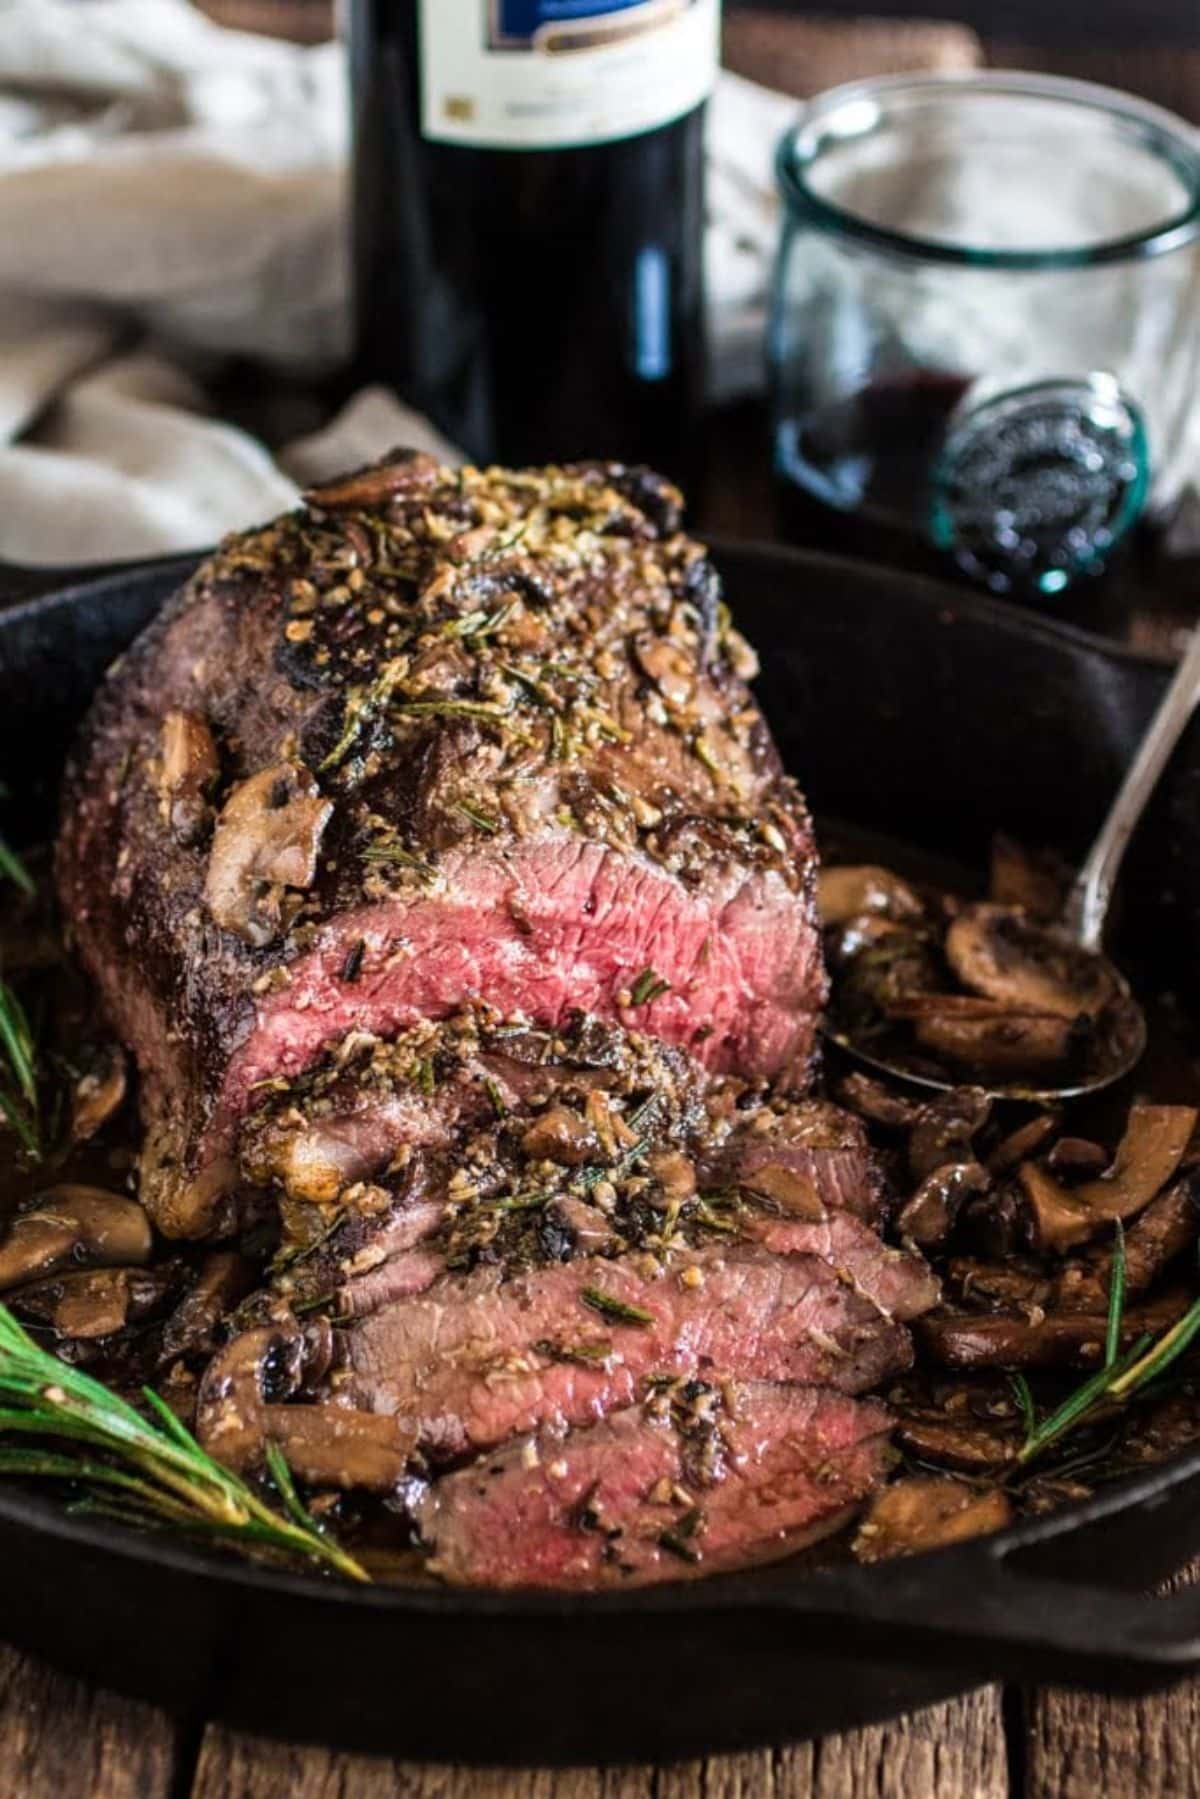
[(172, 194)]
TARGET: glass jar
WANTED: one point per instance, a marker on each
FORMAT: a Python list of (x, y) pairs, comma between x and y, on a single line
[(985, 323)]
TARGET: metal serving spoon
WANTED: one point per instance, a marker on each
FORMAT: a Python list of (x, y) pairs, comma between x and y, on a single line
[(1081, 926)]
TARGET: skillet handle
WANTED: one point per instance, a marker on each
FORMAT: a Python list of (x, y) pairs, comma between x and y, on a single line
[(1043, 1603)]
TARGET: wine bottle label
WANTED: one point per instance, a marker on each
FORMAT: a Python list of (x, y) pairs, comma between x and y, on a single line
[(548, 74)]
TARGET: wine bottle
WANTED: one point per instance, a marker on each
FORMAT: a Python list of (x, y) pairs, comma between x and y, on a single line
[(528, 219)]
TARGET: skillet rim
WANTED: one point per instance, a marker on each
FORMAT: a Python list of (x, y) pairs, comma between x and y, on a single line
[(719, 1593)]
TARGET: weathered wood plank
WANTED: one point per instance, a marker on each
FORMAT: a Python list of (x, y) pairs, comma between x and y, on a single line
[(954, 1751), (235, 1766), (60, 1739), (1080, 1745)]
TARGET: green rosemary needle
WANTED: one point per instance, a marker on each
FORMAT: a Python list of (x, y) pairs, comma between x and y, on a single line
[(147, 1470), (1121, 1377)]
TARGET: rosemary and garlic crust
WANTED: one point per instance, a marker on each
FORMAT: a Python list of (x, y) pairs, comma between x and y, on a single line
[(440, 735), (513, 1231)]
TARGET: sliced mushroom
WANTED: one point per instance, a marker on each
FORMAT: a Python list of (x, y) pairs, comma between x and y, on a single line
[(1059, 1339), (988, 1037), (1166, 1228), (98, 1093), (400, 472), (560, 1135), (224, 1278), (928, 1512), (188, 770), (854, 891), (786, 1182), (955, 1442), (873, 1100), (1034, 882), (182, 1202), (1077, 1158), (1009, 1283), (266, 841), (1024, 1142), (929, 1216), (945, 1128), (1001, 953), (1148, 1155), (241, 1408), (97, 1302), (74, 1227)]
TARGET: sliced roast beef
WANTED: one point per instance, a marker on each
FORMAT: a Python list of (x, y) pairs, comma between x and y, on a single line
[(705, 1476), (441, 735), (478, 1110), (481, 1357)]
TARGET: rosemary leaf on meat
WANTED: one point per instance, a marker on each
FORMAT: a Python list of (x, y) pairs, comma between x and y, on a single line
[(482, 820), (383, 854), (647, 987), (616, 1309), (147, 1470)]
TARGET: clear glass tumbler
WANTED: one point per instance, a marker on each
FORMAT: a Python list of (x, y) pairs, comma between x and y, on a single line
[(985, 325)]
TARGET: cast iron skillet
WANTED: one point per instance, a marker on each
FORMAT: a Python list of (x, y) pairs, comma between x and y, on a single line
[(908, 707)]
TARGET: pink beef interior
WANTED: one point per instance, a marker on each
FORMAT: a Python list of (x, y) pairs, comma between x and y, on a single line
[(552, 926)]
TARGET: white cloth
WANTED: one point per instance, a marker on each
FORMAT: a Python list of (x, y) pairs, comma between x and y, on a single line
[(172, 194)]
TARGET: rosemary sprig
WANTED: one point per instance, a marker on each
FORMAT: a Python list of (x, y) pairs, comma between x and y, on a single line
[(147, 1470), (20, 1107), (1116, 1298), (362, 705), (12, 867), (1122, 1378)]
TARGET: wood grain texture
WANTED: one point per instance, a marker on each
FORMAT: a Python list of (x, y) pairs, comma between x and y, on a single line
[(1080, 1746), (953, 1751), (60, 1739)]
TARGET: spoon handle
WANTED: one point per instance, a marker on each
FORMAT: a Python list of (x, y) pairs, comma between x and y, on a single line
[(1088, 901)]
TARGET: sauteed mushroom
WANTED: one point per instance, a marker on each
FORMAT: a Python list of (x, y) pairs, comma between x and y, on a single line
[(189, 768), (999, 952), (192, 1329), (927, 1512), (845, 892), (266, 841), (1056, 1340), (241, 1408), (72, 1227), (98, 1093), (929, 1216), (1025, 1141), (945, 1128), (94, 1303), (989, 1037), (1147, 1156)]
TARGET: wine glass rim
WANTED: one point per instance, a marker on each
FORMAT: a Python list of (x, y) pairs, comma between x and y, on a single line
[(1164, 134)]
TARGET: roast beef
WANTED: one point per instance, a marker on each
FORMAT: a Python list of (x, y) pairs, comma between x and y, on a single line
[(441, 735), (479, 1357), (705, 1476)]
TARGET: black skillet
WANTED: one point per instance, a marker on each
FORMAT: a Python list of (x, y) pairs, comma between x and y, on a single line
[(911, 709)]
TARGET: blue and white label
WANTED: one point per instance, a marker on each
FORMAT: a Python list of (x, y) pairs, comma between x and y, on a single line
[(548, 74)]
